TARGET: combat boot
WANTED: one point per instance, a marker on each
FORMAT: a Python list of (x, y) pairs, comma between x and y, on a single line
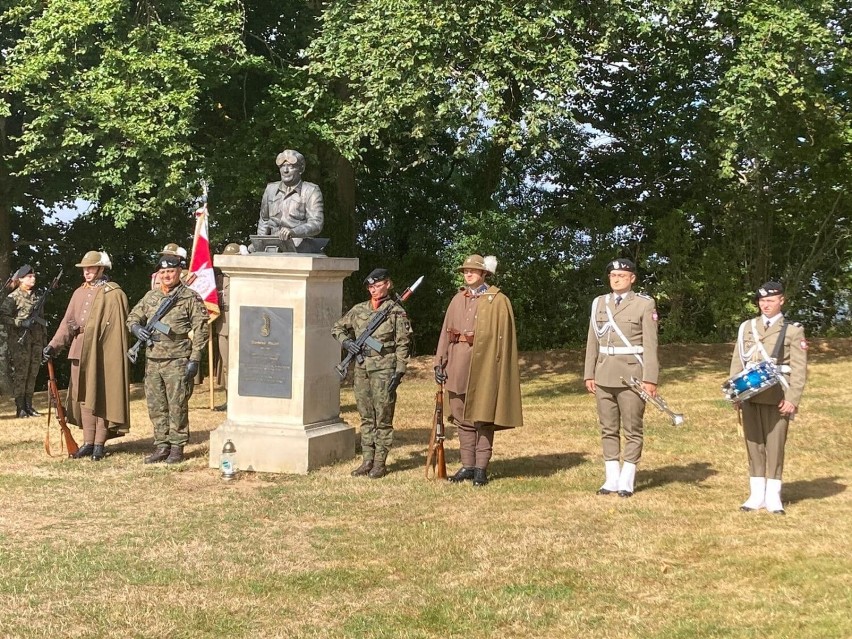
[(20, 408), (175, 456), (378, 471), (365, 467), (479, 477), (461, 475), (98, 452), (161, 454), (84, 451), (28, 406)]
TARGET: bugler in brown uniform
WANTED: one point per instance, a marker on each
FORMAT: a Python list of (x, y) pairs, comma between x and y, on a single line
[(93, 331), (767, 415), (621, 343), (477, 362)]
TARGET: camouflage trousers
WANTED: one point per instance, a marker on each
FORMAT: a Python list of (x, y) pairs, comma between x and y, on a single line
[(25, 362), (5, 386), (167, 393), (376, 407)]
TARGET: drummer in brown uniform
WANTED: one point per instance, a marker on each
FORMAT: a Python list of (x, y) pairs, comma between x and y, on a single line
[(767, 415), (622, 343)]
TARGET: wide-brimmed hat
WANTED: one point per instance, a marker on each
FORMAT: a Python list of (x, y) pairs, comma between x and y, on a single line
[(487, 263), (95, 258)]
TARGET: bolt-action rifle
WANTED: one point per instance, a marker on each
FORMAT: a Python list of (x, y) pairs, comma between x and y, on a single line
[(436, 465), (67, 441), (365, 339), (35, 313), (154, 324)]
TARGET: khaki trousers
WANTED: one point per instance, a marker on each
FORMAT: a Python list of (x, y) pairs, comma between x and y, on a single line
[(765, 431), (620, 408)]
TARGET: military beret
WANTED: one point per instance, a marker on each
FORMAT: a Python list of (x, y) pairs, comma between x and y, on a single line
[(621, 264), (168, 261), (25, 270), (769, 289), (377, 275)]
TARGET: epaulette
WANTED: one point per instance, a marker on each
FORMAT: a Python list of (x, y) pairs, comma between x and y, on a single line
[(645, 296)]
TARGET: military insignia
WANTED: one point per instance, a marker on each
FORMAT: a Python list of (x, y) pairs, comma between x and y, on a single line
[(762, 292)]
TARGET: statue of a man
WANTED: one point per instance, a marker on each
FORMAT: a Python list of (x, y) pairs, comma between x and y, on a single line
[(291, 208)]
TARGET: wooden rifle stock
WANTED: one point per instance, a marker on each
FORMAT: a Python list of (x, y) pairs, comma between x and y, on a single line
[(436, 464), (67, 440)]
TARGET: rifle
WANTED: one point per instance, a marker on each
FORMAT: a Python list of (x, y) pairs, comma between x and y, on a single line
[(35, 314), (154, 324), (67, 441), (366, 337), (435, 461)]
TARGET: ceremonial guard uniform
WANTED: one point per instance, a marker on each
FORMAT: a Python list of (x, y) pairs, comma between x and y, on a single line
[(380, 373), (621, 343), (766, 416), (173, 359), (24, 357), (94, 329), (477, 362)]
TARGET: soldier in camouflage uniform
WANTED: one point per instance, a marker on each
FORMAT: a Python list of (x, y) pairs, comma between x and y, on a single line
[(173, 359), (380, 373), (24, 358)]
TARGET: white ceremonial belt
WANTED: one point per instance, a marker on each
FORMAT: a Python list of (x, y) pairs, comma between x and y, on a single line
[(622, 350)]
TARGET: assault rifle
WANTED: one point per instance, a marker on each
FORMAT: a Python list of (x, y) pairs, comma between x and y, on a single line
[(35, 314), (154, 324), (67, 440), (366, 337), (436, 465)]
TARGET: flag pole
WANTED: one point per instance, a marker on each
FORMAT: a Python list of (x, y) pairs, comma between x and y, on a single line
[(210, 368)]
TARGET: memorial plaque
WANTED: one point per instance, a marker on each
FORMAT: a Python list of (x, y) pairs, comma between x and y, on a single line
[(266, 352)]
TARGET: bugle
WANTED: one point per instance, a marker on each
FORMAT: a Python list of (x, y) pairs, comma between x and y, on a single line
[(658, 402)]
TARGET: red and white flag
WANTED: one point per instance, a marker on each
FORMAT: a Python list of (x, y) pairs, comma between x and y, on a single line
[(201, 265)]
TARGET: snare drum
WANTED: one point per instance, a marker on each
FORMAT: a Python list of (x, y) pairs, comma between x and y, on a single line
[(751, 381)]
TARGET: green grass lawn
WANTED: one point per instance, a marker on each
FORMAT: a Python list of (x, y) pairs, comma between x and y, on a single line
[(119, 549)]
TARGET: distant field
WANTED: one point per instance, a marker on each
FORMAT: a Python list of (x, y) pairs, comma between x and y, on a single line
[(118, 549)]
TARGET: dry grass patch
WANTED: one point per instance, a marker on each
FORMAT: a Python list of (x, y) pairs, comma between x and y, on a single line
[(118, 549)]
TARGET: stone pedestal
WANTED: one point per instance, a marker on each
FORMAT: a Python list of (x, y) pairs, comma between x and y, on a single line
[(283, 391)]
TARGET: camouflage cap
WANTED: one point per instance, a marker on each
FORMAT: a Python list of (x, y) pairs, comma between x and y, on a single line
[(95, 258)]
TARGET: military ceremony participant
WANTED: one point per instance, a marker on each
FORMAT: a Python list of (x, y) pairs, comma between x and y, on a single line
[(16, 312), (172, 358), (477, 362), (621, 343), (220, 326), (93, 330), (767, 415), (378, 374)]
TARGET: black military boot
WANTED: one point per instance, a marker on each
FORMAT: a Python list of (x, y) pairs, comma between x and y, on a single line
[(20, 408), (28, 406), (365, 467), (479, 477), (161, 454), (461, 475), (378, 471), (84, 451), (98, 453), (175, 456)]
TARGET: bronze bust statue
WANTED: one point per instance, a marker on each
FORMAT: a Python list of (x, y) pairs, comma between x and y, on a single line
[(291, 208)]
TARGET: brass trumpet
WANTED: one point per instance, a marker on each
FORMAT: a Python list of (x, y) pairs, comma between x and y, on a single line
[(658, 402)]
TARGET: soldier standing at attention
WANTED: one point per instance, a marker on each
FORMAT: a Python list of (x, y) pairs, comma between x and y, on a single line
[(172, 360), (622, 343), (93, 328), (24, 358), (477, 362), (220, 326), (767, 415), (379, 374)]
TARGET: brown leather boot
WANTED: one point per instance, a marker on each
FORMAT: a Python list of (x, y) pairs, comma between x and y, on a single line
[(175, 456), (159, 455), (379, 470), (365, 467)]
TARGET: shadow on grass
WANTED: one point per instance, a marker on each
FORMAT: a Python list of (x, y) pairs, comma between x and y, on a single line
[(536, 465), (693, 473), (820, 488)]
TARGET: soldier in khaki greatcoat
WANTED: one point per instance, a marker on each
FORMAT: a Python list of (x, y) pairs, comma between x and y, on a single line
[(173, 359), (379, 374), (622, 343), (767, 415), (25, 339)]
